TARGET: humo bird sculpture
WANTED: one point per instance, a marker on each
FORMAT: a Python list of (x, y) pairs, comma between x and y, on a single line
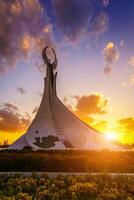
[(47, 60)]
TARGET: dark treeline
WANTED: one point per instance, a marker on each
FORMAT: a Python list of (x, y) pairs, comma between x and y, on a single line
[(89, 187), (67, 161)]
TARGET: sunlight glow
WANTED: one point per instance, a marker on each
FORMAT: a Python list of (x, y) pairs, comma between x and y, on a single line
[(111, 136)]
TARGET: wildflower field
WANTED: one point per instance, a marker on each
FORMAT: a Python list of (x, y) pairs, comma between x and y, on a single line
[(89, 187)]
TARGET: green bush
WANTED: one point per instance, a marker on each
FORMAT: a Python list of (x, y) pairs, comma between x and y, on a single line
[(67, 161)]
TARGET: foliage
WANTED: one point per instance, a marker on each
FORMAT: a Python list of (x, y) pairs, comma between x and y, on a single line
[(67, 161), (88, 187)]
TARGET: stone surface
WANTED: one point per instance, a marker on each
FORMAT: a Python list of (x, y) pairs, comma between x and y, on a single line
[(55, 127)]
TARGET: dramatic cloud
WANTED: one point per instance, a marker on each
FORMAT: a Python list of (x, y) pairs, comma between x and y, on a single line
[(21, 90), (21, 26), (77, 18), (87, 105), (35, 110), (10, 119), (92, 104), (111, 54), (100, 23), (126, 129), (131, 61), (127, 123), (72, 17)]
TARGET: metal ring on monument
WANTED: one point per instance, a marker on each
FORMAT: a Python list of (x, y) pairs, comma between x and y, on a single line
[(47, 60)]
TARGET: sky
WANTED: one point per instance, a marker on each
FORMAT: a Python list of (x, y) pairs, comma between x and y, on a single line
[(94, 43)]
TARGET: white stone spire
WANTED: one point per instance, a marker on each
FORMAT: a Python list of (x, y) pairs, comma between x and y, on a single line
[(55, 127)]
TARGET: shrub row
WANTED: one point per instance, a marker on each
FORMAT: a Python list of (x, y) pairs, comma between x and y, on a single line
[(67, 161)]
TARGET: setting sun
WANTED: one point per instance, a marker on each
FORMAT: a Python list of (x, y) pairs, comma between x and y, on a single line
[(111, 136)]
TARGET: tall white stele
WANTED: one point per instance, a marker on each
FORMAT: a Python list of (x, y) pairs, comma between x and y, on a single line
[(56, 127)]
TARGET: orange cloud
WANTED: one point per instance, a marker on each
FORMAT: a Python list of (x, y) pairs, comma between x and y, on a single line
[(11, 120), (87, 105), (16, 8), (111, 54), (101, 125), (126, 124), (126, 129), (92, 104), (25, 43)]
